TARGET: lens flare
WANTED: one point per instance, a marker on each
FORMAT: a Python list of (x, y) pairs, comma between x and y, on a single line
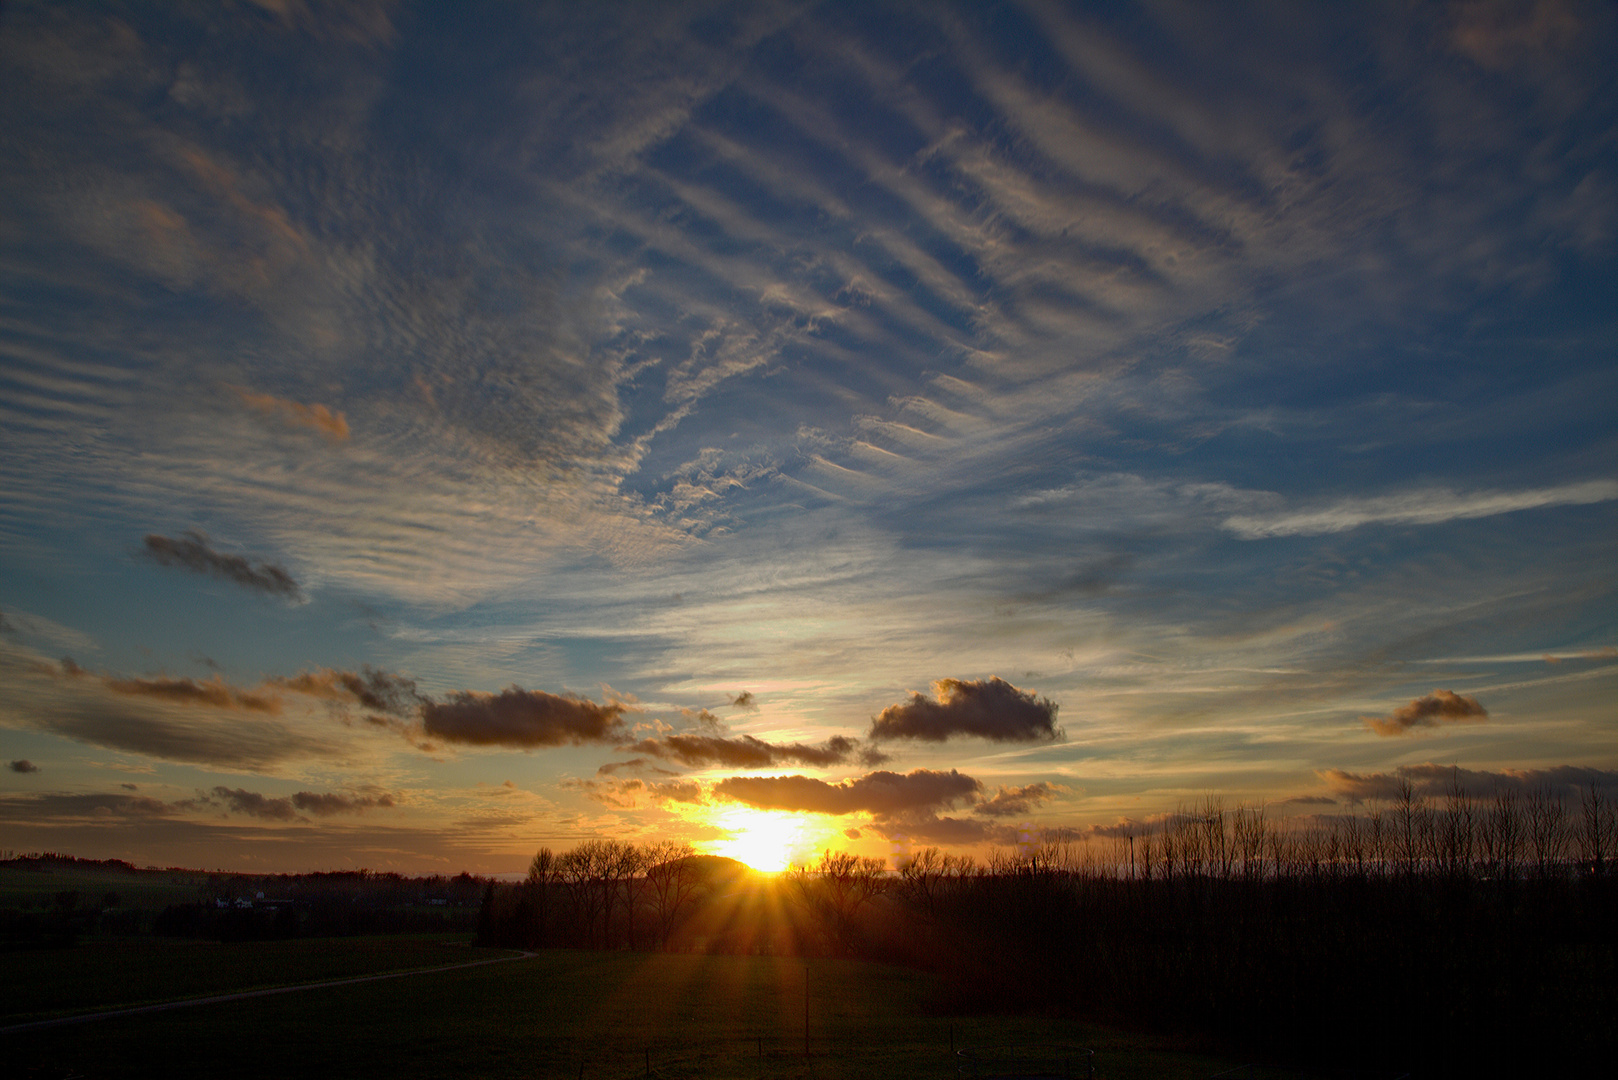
[(763, 840)]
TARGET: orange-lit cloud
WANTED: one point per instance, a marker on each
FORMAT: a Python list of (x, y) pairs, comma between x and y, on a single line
[(332, 424), (990, 709), (628, 794), (1438, 707), (371, 687), (880, 793), (214, 692), (1017, 801)]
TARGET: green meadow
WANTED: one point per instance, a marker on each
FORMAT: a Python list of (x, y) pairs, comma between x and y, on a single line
[(556, 1014)]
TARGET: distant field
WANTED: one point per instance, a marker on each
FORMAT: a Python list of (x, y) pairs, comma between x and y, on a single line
[(560, 1014), (108, 973), (25, 889)]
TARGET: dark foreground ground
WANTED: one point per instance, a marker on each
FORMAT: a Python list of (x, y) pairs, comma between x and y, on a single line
[(556, 1014)]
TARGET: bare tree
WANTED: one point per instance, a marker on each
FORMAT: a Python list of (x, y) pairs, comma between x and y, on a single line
[(835, 890), (1596, 827), (671, 879), (1547, 829), (1502, 834), (1247, 827), (544, 874)]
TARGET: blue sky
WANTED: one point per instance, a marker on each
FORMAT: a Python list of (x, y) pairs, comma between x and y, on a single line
[(431, 431)]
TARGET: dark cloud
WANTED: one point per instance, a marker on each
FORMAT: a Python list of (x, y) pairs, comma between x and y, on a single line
[(191, 551), (1308, 800), (252, 804), (215, 692), (521, 718), (1438, 707), (1123, 827), (744, 700), (884, 794), (633, 765), (7, 628), (1428, 780), (746, 752), (326, 805), (990, 709), (929, 828), (371, 687), (93, 807), (23, 766), (130, 787), (1017, 801)]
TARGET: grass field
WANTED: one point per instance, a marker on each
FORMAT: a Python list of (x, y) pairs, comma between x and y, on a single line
[(559, 1014), (108, 973)]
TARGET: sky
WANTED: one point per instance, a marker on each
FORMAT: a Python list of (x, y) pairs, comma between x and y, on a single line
[(430, 432)]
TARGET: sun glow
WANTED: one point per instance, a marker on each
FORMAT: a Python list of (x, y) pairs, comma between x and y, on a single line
[(763, 840)]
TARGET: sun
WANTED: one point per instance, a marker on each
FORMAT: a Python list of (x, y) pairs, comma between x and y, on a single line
[(761, 839)]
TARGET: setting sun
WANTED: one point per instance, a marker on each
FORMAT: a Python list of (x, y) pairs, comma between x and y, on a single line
[(762, 839)]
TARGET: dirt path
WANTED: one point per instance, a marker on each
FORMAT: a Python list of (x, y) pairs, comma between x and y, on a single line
[(83, 1018)]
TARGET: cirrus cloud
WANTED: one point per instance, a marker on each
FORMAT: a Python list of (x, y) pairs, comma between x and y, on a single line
[(747, 752)]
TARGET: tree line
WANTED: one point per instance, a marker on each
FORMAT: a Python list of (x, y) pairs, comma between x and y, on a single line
[(1442, 935)]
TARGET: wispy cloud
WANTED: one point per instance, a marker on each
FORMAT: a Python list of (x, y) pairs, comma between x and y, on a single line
[(192, 551), (633, 792), (1429, 507), (747, 752), (333, 425)]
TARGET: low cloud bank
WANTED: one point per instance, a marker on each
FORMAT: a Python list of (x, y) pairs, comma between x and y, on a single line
[(991, 709), (1428, 780)]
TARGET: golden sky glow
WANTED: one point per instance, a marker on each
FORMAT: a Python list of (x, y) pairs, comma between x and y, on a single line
[(781, 427)]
